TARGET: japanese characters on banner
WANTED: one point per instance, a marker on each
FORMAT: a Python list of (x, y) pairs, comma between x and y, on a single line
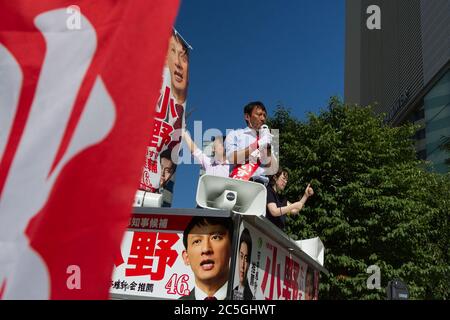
[(164, 138), (152, 264), (266, 271)]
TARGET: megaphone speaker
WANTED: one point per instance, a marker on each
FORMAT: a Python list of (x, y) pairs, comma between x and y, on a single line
[(312, 247), (243, 197), (147, 199)]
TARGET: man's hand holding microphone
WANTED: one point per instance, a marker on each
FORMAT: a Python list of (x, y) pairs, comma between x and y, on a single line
[(265, 137)]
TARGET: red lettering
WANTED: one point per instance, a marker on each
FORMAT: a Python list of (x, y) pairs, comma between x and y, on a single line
[(145, 247)]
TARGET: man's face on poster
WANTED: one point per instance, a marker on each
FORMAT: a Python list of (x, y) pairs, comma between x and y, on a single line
[(208, 253), (167, 168), (178, 63), (243, 262)]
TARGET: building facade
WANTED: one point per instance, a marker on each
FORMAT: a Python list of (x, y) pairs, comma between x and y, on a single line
[(402, 68)]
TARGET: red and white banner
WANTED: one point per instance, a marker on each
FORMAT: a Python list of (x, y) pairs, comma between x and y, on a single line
[(151, 263), (244, 171), (267, 271), (164, 138), (76, 83), (152, 266)]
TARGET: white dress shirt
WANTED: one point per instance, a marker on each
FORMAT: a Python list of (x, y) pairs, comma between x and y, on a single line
[(211, 165), (240, 139), (220, 294)]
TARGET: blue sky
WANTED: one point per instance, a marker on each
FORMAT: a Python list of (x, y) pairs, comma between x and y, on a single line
[(276, 51)]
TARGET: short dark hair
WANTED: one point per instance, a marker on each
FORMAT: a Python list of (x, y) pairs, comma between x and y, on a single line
[(167, 154), (280, 171), (245, 237), (203, 221), (248, 109)]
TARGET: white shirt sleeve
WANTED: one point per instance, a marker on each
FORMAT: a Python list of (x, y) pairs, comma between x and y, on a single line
[(231, 143), (204, 160)]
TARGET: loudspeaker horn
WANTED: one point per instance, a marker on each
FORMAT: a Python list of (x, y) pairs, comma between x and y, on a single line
[(313, 247), (147, 199), (243, 197)]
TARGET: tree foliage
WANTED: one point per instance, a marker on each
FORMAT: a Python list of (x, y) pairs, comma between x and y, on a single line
[(374, 202)]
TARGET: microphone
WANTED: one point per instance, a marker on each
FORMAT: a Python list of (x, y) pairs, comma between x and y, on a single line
[(265, 136), (264, 131)]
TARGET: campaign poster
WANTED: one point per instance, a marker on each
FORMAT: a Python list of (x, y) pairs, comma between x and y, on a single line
[(164, 138), (155, 263), (266, 271)]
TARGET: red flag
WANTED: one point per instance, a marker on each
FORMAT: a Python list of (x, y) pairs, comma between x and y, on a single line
[(78, 88)]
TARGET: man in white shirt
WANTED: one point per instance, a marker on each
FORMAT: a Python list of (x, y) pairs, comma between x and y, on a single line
[(207, 242), (252, 145)]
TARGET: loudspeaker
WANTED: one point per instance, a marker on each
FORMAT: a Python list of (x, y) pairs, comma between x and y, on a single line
[(312, 247), (227, 200), (147, 199), (243, 197)]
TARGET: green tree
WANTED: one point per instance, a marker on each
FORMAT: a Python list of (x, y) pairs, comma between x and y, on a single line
[(374, 202)]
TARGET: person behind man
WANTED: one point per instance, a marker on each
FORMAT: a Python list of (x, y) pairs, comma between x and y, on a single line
[(207, 242), (247, 145), (217, 165), (242, 291), (277, 204)]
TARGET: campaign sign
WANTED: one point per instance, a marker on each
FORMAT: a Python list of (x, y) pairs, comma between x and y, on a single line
[(265, 270), (155, 262), (164, 138)]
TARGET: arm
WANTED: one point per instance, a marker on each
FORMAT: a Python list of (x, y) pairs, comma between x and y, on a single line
[(191, 144), (269, 162), (300, 204), (235, 156), (291, 208), (267, 158), (241, 156), (278, 212), (196, 152)]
